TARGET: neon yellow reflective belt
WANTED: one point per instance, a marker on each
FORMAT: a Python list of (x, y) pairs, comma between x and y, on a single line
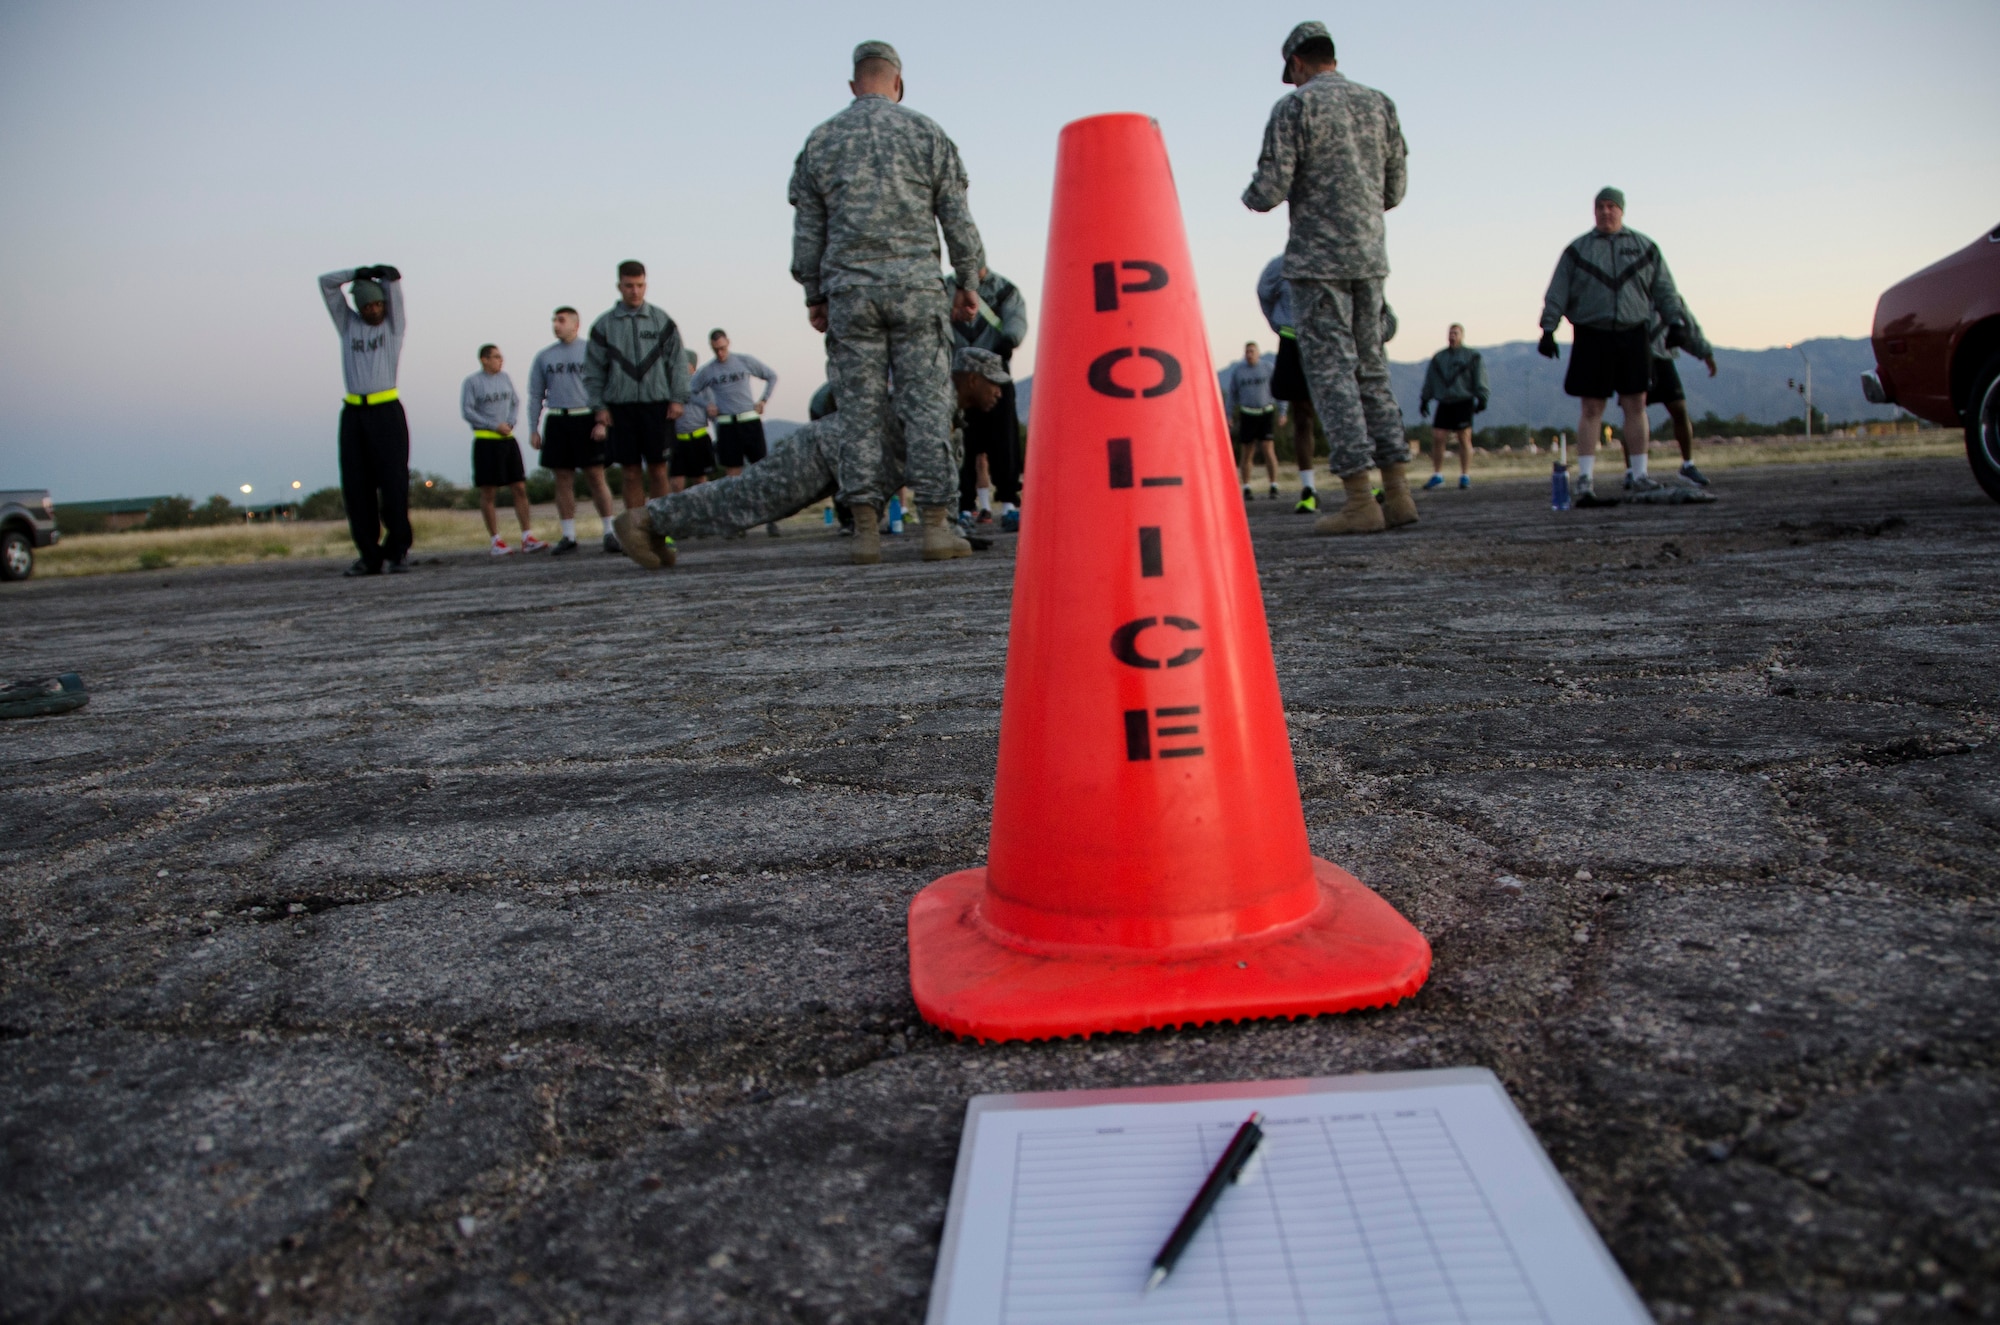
[(486, 435), (372, 398), (1288, 333), (690, 436), (1255, 409), (738, 418)]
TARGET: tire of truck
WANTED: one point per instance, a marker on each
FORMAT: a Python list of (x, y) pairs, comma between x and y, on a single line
[(1982, 427), (17, 555)]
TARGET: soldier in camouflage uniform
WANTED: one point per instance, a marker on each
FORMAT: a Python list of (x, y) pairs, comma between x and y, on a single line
[(1333, 149), (804, 468), (870, 190)]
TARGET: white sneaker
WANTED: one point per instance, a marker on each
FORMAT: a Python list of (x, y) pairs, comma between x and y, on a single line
[(529, 543), (499, 548)]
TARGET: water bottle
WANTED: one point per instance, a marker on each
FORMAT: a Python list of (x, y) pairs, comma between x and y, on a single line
[(1559, 479), (896, 515), (829, 517)]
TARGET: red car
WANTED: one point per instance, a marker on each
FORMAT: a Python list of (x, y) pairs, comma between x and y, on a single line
[(1937, 350)]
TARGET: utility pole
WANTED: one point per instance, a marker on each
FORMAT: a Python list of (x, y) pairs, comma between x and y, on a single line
[(1806, 390)]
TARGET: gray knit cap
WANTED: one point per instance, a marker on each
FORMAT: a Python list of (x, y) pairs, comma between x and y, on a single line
[(878, 50), (1611, 195), (367, 292), (1304, 33), (972, 359)]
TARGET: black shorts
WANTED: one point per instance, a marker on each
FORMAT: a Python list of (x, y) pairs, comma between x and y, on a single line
[(693, 456), (1288, 379), (566, 442), (639, 432), (1666, 388), (496, 462), (1453, 415), (1604, 363), (1254, 426), (739, 444)]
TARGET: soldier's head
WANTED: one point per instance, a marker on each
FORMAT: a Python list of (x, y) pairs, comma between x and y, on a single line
[(878, 71), (978, 374), (1610, 210), (1308, 52), (370, 302), (566, 323), (1252, 352), (490, 358), (1455, 337), (718, 343), (632, 283)]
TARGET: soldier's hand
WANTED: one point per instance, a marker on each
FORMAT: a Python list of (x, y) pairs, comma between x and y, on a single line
[(674, 409), (1710, 361), (964, 305), (535, 440), (597, 432), (384, 272), (1547, 347), (760, 407), (816, 314)]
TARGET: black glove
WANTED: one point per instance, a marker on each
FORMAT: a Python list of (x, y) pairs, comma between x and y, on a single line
[(1478, 407), (364, 273), (1547, 348), (385, 272)]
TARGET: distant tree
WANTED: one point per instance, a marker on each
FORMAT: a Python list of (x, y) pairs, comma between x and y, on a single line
[(541, 485), (433, 492), (216, 510), (170, 513), (72, 521), (323, 504)]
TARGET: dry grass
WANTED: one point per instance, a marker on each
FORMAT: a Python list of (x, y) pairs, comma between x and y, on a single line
[(1664, 458)]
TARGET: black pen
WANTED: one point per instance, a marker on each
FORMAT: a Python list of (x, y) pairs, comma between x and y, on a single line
[(1227, 1171)]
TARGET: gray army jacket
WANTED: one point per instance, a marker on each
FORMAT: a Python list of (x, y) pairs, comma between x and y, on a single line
[(1456, 375), (633, 355), (1334, 150), (869, 191), (1612, 282)]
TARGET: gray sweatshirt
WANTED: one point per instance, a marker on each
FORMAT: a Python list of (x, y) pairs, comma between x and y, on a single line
[(1001, 323), (1612, 282), (695, 417), (1250, 383), (555, 380), (487, 400), (728, 382), (368, 355)]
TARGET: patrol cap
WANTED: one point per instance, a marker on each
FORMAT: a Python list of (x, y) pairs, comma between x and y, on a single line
[(1304, 33), (1611, 195), (972, 359), (878, 50), (367, 292)]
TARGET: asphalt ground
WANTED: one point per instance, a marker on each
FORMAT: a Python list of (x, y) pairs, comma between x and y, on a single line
[(524, 941)]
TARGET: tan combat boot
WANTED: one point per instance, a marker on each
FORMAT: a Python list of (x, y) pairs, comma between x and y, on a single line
[(941, 541), (639, 542), (867, 536), (1361, 514), (1398, 507)]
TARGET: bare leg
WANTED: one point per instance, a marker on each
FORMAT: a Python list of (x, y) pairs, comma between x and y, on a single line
[(635, 486), (732, 470), (566, 494), (1437, 450), (1243, 463), (1304, 447), (522, 511), (1590, 418), (600, 492), (1638, 431), (1464, 451), (1270, 450), (1683, 429), (487, 510), (656, 480)]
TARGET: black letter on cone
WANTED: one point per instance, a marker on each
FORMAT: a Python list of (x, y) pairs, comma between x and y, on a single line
[(1125, 643), (1104, 277), (1102, 383)]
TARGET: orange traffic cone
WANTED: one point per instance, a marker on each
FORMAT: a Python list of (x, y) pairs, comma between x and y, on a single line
[(1149, 863)]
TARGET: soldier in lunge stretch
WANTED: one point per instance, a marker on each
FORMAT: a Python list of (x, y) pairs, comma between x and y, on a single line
[(1456, 380), (374, 434), (802, 470), (1334, 150), (1609, 283), (637, 381), (870, 190)]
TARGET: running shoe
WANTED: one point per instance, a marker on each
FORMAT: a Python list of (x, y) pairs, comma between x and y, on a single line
[(1437, 481), (361, 567), (611, 543), (1011, 522), (1247, 494), (1639, 484), (500, 548), (564, 544), (396, 567), (772, 528), (1273, 494), (1464, 481), (1693, 475), (984, 517), (529, 543), (1308, 503)]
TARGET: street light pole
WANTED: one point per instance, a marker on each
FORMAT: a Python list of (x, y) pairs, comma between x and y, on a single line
[(1802, 354)]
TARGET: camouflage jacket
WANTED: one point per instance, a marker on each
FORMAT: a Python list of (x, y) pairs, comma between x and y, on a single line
[(1335, 151), (1613, 282), (869, 192)]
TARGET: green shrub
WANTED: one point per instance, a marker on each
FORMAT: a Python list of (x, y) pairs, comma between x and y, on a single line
[(541, 485), (155, 559), (72, 521), (216, 510), (169, 513), (433, 492), (323, 504)]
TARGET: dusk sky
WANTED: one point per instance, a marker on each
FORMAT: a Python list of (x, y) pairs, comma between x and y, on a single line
[(178, 174)]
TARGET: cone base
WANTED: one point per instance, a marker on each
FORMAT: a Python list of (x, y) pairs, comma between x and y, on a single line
[(1357, 951)]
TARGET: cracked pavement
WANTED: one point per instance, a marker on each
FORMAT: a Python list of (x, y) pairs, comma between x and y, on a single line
[(524, 942)]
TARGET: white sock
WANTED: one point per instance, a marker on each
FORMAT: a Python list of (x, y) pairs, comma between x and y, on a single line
[(1585, 464), (986, 500), (1305, 480), (1007, 506), (498, 540), (1637, 464), (569, 530)]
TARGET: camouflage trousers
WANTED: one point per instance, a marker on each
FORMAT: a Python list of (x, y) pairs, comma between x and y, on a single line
[(888, 355), (1340, 350), (801, 469)]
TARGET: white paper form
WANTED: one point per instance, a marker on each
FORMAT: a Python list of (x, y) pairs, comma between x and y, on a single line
[(1396, 1199)]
